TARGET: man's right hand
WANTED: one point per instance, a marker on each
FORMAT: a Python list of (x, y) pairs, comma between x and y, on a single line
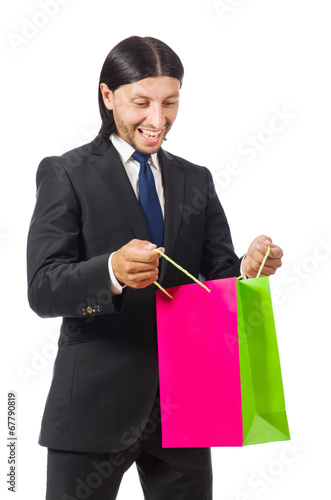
[(135, 264)]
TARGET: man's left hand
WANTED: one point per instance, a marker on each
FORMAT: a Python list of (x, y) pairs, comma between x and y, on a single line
[(256, 252)]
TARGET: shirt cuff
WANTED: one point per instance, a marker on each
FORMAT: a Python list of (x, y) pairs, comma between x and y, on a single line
[(245, 277), (115, 287)]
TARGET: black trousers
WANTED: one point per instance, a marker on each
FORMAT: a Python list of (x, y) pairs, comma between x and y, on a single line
[(165, 473)]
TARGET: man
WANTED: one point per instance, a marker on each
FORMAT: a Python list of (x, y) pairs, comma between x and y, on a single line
[(100, 212)]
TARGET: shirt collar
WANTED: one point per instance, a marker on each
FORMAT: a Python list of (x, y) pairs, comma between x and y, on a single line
[(125, 151)]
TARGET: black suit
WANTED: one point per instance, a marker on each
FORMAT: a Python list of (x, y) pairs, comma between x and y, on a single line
[(106, 373)]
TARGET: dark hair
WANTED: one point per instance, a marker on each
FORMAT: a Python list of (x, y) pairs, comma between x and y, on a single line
[(132, 60)]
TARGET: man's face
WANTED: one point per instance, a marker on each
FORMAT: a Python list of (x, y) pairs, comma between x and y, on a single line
[(144, 111)]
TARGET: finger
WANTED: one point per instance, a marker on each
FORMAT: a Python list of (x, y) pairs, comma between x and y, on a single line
[(143, 256), (128, 270), (141, 280), (150, 246), (144, 245), (273, 262), (268, 270), (141, 245), (270, 266), (275, 251), (257, 256), (251, 267), (254, 267), (264, 240), (137, 267)]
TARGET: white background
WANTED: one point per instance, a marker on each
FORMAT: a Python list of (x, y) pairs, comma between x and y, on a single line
[(245, 61)]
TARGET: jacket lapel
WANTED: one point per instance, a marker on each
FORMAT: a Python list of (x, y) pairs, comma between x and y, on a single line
[(173, 176), (107, 163)]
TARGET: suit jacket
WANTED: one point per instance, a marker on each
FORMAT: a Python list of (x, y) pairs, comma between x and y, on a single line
[(106, 371)]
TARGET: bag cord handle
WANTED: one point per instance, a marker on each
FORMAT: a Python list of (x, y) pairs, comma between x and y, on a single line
[(181, 269), (193, 277)]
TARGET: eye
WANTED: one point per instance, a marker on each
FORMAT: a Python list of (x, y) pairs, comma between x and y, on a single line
[(170, 104), (140, 104)]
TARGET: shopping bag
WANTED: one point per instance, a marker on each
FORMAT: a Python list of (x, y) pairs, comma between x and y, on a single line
[(219, 369)]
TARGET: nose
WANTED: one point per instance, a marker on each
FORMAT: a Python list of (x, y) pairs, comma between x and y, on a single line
[(156, 116)]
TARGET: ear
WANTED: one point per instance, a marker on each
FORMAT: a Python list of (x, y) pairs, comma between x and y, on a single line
[(108, 96)]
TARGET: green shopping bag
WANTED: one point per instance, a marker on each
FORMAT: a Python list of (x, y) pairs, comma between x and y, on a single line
[(262, 396)]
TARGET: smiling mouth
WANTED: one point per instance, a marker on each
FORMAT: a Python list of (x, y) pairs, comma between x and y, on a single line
[(149, 134)]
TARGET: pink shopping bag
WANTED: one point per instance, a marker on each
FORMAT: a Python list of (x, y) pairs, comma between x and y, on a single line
[(199, 373)]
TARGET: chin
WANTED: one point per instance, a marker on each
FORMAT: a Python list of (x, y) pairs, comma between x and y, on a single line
[(147, 150)]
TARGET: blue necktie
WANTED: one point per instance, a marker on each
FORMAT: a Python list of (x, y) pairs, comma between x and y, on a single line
[(149, 200)]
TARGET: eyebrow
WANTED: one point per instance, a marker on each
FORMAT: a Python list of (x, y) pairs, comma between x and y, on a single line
[(141, 96)]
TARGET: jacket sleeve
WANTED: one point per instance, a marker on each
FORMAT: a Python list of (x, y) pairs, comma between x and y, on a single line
[(60, 282), (218, 258)]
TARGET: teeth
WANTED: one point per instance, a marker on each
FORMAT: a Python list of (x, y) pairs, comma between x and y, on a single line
[(150, 135)]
